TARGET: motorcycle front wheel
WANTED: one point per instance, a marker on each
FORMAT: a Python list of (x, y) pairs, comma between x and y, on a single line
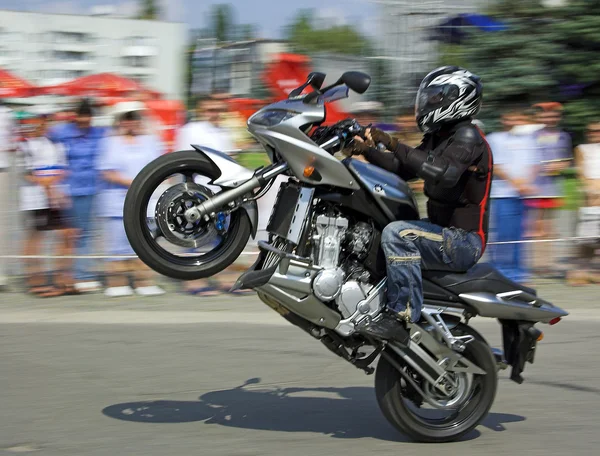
[(220, 249), (454, 417)]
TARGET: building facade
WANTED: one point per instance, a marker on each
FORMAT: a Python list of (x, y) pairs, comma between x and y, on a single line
[(405, 43), (47, 49), (236, 68)]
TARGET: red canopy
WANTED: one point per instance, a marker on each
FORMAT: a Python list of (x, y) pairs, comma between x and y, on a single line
[(98, 85), (171, 115), (12, 86)]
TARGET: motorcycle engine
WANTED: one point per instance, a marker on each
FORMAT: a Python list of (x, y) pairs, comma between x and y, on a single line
[(339, 247)]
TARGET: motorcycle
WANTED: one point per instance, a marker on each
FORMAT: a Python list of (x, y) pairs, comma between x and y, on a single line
[(322, 268)]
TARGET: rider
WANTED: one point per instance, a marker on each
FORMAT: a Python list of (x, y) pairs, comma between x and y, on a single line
[(456, 164)]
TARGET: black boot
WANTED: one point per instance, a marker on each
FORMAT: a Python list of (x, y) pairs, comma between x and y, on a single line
[(387, 327)]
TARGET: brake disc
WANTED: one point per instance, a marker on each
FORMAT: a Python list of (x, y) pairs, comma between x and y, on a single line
[(458, 388), (170, 210)]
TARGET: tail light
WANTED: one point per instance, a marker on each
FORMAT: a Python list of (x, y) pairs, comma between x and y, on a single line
[(554, 321)]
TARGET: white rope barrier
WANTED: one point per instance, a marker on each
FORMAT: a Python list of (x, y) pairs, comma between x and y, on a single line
[(133, 257), (88, 257), (536, 241)]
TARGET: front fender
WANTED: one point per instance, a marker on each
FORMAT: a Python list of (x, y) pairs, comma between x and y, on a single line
[(232, 174)]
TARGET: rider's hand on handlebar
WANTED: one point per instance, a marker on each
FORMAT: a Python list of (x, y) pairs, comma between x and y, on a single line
[(380, 137), (358, 147)]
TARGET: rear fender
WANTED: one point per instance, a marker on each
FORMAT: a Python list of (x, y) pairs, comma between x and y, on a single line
[(231, 175), (514, 305)]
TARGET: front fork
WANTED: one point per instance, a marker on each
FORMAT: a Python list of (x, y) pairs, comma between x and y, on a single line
[(230, 198)]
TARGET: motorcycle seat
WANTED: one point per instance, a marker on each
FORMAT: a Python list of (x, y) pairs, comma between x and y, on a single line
[(481, 277)]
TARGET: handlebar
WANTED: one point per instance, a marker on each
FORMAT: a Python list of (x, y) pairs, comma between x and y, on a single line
[(341, 134)]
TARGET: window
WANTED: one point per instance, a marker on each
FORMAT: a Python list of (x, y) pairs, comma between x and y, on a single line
[(71, 38), (137, 61), (70, 56), (138, 41)]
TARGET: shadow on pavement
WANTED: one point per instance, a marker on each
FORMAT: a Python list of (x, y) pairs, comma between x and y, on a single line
[(350, 412)]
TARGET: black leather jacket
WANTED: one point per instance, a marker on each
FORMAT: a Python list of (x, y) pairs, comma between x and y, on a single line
[(457, 166)]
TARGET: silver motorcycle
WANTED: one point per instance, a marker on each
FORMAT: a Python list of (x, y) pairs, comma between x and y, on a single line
[(322, 268)]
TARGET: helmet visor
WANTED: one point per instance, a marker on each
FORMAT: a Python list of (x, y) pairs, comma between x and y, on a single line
[(430, 98)]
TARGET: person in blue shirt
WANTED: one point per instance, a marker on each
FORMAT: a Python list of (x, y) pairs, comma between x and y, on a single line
[(81, 142), (515, 153)]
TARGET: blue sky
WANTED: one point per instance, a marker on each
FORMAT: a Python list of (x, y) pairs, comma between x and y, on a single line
[(269, 15)]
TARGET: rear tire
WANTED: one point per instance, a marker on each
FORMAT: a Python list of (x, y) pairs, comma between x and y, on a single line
[(135, 220), (393, 405)]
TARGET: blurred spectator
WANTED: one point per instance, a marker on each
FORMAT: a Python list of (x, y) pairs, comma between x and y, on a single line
[(81, 141), (408, 130), (587, 160), (556, 153), (515, 151), (7, 133), (45, 204), (366, 112), (231, 121), (123, 156), (207, 130)]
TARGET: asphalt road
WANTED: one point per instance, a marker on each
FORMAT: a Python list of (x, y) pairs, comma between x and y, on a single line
[(157, 380)]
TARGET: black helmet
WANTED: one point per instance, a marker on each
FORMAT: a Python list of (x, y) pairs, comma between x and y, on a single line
[(446, 95)]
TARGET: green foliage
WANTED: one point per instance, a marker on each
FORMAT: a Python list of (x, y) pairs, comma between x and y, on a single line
[(150, 10), (305, 38), (223, 22), (579, 113), (223, 26), (544, 50), (247, 32), (451, 54), (253, 160)]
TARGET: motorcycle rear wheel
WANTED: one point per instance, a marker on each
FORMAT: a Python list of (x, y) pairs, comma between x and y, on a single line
[(391, 392), (141, 239)]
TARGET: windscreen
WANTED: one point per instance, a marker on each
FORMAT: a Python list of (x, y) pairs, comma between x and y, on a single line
[(336, 93)]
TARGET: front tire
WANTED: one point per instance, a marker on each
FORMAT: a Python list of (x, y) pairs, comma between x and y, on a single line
[(391, 392), (141, 240)]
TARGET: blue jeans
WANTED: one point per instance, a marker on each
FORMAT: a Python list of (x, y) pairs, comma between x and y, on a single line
[(81, 218), (410, 246), (508, 221)]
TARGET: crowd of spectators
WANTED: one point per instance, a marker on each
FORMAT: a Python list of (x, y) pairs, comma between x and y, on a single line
[(73, 176)]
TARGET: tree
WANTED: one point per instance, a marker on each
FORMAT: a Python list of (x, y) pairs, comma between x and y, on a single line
[(223, 22), (547, 54), (304, 37), (247, 32), (150, 10)]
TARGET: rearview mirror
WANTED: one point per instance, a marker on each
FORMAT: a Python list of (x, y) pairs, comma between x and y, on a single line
[(356, 81), (316, 80)]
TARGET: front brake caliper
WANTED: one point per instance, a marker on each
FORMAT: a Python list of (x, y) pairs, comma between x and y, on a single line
[(220, 220)]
